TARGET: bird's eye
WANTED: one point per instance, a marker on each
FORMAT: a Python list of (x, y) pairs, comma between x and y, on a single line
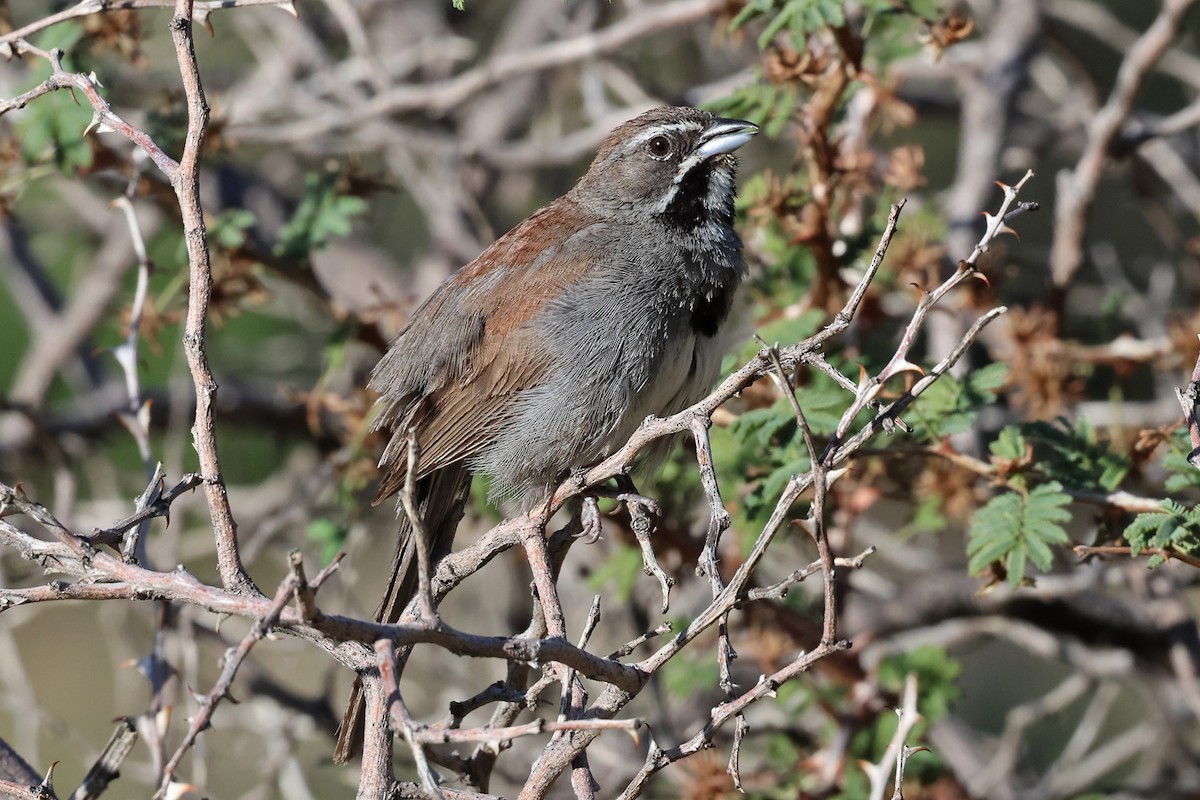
[(659, 147)]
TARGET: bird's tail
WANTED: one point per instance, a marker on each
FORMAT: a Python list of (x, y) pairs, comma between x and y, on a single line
[(440, 499)]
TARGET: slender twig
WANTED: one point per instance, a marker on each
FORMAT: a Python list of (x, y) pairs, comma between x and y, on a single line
[(86, 8), (718, 514), (306, 594), (870, 388), (639, 523), (634, 644), (103, 118), (159, 507), (137, 417), (720, 715), (400, 719), (1077, 187), (486, 734), (232, 661), (897, 750), (779, 590), (1121, 550), (186, 182), (1125, 501)]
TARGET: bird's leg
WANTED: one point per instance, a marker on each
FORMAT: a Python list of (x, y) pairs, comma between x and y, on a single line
[(638, 504), (640, 510)]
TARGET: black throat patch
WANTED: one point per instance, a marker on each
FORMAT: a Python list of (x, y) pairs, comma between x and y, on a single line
[(686, 209), (710, 310)]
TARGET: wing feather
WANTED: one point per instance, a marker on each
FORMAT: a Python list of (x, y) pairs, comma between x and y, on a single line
[(457, 369)]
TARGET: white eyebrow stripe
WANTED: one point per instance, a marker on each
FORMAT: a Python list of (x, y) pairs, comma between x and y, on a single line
[(658, 130)]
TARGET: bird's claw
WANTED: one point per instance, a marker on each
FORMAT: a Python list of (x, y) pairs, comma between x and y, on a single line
[(589, 520)]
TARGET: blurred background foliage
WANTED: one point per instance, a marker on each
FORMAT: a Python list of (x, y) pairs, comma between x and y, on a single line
[(353, 163)]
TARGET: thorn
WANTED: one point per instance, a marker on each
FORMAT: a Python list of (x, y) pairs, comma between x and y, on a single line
[(47, 783), (904, 365), (178, 791), (833, 474), (636, 735), (202, 17), (162, 720), (863, 376)]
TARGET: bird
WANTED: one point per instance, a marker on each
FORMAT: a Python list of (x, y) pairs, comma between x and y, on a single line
[(543, 355)]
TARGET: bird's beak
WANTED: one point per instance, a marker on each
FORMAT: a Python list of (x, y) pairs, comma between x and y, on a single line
[(725, 136)]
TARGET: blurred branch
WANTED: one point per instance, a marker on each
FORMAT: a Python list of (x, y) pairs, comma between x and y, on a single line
[(1018, 720), (442, 96), (1077, 187), (988, 84), (107, 767), (14, 768), (1097, 20), (86, 8), (232, 661), (59, 333)]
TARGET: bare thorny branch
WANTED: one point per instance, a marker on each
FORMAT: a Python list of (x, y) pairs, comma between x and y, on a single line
[(110, 578), (103, 576)]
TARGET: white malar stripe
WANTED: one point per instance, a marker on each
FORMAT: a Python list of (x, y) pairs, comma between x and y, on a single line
[(685, 166), (720, 186)]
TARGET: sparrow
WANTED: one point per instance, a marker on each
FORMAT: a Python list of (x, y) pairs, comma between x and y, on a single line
[(543, 355)]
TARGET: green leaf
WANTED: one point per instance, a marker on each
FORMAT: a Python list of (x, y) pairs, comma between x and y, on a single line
[(937, 673), (766, 105), (1075, 455), (799, 17), (329, 535), (228, 228), (321, 215), (1183, 474), (1176, 528), (1009, 445), (950, 406), (762, 426), (51, 130), (1014, 528)]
